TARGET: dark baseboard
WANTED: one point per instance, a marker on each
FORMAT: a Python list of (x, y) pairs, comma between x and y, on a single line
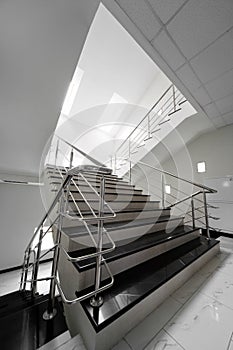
[(19, 267), (217, 234)]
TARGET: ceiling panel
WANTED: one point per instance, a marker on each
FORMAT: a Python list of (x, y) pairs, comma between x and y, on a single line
[(142, 16), (222, 86), (188, 77), (168, 50), (211, 110), (215, 60), (201, 96), (166, 9), (225, 105), (199, 23)]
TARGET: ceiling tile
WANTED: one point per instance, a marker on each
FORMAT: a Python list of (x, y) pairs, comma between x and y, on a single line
[(219, 122), (216, 59), (228, 118), (225, 105), (141, 14), (165, 9), (199, 23), (201, 96), (168, 50), (211, 110), (222, 86), (188, 77)]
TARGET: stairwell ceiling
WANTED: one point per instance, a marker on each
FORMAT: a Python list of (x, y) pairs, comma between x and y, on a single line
[(40, 42), (192, 41)]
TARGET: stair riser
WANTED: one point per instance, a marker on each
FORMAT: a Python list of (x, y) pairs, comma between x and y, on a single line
[(116, 206), (89, 175), (129, 261), (95, 184), (121, 217), (131, 233), (91, 179), (111, 335), (113, 197)]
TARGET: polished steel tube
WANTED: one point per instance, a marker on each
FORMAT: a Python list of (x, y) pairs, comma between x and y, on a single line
[(163, 194), (97, 300), (193, 212), (37, 263), (206, 215)]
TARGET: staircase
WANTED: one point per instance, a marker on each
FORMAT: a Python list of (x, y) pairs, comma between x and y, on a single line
[(154, 253)]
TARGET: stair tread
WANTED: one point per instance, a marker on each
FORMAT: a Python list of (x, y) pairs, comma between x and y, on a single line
[(128, 246), (132, 286), (110, 226)]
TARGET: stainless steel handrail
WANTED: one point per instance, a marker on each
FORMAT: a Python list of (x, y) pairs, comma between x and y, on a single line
[(211, 190), (156, 103), (93, 160)]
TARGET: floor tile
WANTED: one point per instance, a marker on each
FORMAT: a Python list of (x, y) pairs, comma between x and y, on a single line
[(203, 323), (141, 335), (220, 287), (163, 341)]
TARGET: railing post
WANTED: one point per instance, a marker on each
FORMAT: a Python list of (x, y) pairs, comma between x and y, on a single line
[(148, 127), (174, 97), (130, 172), (56, 153), (37, 263), (71, 157), (163, 192), (206, 215), (193, 212), (51, 311), (23, 282), (97, 300)]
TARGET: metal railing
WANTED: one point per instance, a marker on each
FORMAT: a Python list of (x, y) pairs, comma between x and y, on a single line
[(195, 202), (57, 211), (160, 113)]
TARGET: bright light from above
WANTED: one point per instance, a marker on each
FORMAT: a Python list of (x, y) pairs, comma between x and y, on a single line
[(167, 189), (117, 99), (201, 168), (72, 91)]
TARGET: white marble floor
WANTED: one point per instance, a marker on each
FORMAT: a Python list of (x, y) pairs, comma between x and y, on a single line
[(198, 316)]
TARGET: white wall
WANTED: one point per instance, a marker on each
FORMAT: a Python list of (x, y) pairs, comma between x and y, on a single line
[(21, 211)]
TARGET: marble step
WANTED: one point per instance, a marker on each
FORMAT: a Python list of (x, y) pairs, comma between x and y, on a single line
[(135, 291), (17, 301), (112, 197), (116, 190), (121, 217), (25, 328), (126, 247), (126, 231), (117, 206)]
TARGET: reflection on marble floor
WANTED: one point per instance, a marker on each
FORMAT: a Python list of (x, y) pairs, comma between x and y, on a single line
[(198, 316)]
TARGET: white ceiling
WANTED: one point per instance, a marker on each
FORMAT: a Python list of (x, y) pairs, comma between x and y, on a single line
[(192, 40), (40, 42)]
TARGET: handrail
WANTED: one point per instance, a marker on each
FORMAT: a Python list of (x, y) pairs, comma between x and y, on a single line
[(55, 201), (209, 189), (93, 160), (156, 103)]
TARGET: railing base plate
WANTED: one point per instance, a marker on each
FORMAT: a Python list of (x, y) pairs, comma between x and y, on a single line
[(49, 315)]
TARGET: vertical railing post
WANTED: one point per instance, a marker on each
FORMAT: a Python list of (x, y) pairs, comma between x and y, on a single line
[(130, 172), (24, 275), (37, 263), (148, 127), (206, 215), (174, 97), (193, 213), (51, 311), (56, 153), (97, 300), (71, 157), (163, 192)]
